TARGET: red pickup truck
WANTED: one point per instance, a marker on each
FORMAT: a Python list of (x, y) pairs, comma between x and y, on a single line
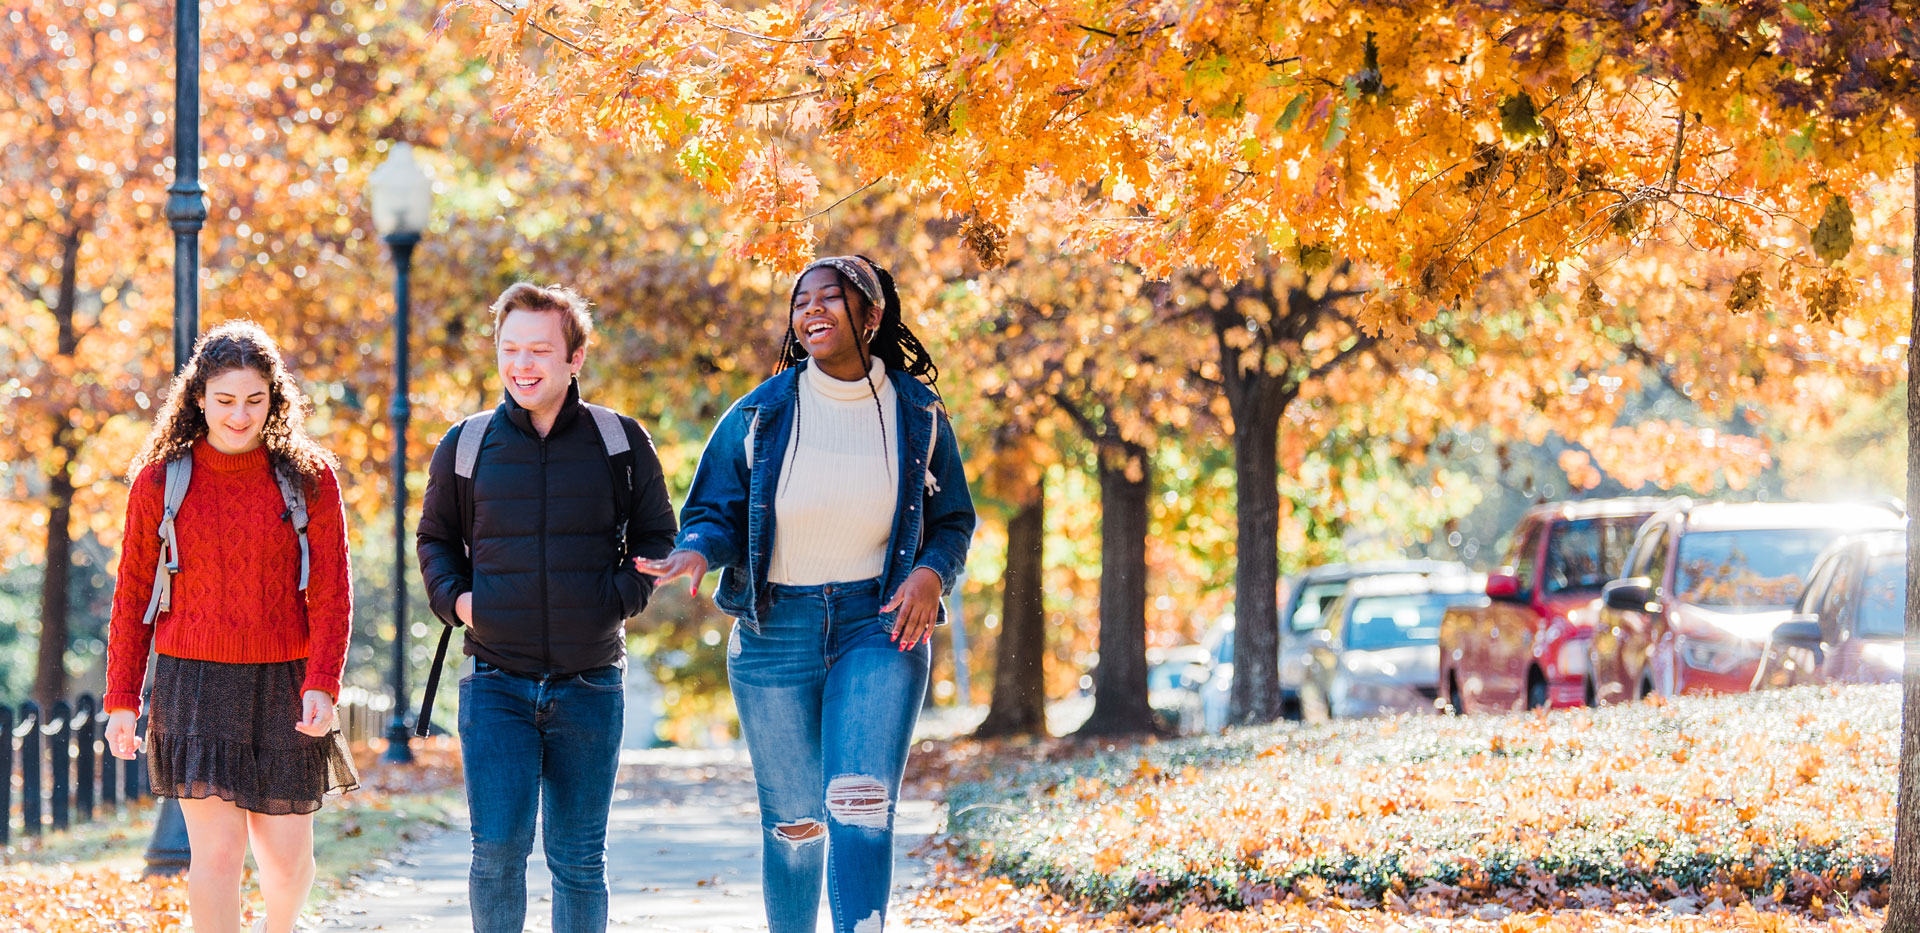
[(1527, 646)]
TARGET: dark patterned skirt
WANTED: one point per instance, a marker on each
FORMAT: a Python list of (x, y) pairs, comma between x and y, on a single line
[(226, 730)]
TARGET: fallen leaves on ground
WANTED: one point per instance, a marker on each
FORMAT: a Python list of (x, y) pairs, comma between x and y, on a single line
[(1708, 808), (109, 896), (91, 900), (962, 900)]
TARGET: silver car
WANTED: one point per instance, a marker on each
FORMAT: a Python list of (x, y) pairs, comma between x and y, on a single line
[(1308, 595), (1378, 652)]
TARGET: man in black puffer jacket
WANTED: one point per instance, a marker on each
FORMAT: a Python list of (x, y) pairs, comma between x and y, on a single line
[(543, 579)]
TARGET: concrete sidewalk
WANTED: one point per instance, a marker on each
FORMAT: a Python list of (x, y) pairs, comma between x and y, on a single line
[(683, 855)]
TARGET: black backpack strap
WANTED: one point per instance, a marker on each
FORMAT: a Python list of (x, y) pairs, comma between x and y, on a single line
[(423, 723), (466, 457)]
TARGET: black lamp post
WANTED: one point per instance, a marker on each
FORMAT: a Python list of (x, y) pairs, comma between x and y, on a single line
[(168, 852), (402, 196)]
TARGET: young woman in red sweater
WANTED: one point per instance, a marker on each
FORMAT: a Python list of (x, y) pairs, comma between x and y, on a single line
[(241, 726)]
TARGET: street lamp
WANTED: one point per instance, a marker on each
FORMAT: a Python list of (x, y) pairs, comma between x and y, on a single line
[(168, 851), (402, 196)]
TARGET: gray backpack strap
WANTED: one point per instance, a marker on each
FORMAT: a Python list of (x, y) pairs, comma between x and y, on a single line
[(472, 432), (293, 492), (620, 459), (179, 474), (611, 433)]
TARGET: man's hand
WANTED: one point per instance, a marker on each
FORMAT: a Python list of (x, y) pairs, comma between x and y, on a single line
[(463, 607), (918, 602), (680, 563)]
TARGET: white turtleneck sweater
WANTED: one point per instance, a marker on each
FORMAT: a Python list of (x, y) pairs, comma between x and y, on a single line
[(833, 512)]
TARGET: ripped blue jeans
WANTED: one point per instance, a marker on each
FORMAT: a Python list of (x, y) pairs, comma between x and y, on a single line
[(828, 704)]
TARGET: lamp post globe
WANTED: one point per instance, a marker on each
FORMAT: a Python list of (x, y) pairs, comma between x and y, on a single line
[(400, 193)]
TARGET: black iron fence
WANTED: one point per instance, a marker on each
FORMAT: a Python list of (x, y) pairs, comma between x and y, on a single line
[(55, 769)]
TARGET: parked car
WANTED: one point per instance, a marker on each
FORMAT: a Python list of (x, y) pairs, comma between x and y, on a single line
[(1379, 651), (1303, 611), (1526, 647), (1216, 693), (1849, 625), (1705, 586), (1175, 677)]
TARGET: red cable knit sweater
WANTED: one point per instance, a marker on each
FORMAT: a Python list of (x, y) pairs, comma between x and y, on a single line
[(237, 595)]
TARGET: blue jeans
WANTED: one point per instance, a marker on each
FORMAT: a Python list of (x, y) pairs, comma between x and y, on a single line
[(827, 703), (545, 743)]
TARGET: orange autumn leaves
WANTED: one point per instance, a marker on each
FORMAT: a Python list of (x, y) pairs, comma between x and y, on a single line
[(1429, 143), (93, 900)]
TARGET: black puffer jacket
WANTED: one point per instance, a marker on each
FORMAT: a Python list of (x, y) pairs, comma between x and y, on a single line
[(551, 586)]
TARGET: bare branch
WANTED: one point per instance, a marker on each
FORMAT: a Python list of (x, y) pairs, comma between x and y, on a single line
[(829, 208), (563, 40), (1679, 146)]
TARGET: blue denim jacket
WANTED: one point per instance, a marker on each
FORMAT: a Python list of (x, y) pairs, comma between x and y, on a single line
[(728, 517)]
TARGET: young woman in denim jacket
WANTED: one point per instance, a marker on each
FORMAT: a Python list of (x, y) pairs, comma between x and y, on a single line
[(833, 502)]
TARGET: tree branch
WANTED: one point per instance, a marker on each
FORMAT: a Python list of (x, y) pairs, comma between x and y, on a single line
[(1359, 346), (1679, 146), (1093, 432), (563, 40), (829, 208)]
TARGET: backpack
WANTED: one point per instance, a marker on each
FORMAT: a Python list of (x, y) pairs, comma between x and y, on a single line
[(466, 458), (179, 475)]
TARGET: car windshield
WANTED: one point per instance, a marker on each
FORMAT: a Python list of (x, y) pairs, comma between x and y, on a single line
[(1750, 570), (1585, 554), (1314, 600), (1393, 621), (1883, 598)]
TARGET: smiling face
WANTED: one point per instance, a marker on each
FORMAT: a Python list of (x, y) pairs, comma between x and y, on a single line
[(830, 319), (534, 362), (236, 403)]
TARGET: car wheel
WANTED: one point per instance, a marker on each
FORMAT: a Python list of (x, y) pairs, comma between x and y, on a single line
[(1592, 692), (1537, 691), (1453, 696)]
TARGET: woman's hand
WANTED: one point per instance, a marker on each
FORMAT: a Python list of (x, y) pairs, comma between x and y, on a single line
[(918, 602), (121, 736), (316, 713), (680, 563)]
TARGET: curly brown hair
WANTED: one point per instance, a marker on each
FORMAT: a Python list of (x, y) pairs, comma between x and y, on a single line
[(183, 416)]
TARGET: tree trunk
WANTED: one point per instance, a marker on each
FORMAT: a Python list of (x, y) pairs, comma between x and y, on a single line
[(1019, 705), (50, 673), (1903, 914), (1256, 577), (1120, 678)]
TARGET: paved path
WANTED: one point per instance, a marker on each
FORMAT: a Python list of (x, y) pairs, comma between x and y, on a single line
[(683, 856)]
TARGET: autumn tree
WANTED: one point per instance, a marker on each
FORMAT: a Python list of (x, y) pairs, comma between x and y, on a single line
[(1274, 331), (84, 134)]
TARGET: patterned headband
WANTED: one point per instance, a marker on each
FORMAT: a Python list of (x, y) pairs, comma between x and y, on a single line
[(864, 275)]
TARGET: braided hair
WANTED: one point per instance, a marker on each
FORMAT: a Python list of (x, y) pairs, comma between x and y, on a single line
[(893, 342)]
